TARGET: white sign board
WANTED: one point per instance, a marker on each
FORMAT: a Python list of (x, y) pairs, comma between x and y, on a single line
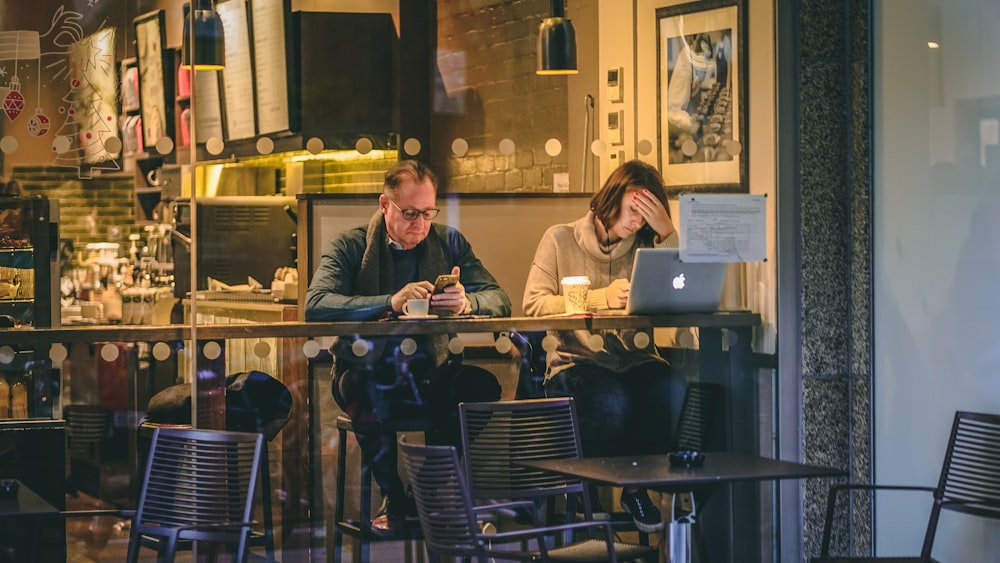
[(723, 227)]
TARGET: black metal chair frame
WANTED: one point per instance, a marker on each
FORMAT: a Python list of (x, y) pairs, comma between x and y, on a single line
[(450, 520), (969, 483), (496, 435), (198, 486), (359, 529)]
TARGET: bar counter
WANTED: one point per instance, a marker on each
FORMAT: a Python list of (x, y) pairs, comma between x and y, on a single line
[(298, 329)]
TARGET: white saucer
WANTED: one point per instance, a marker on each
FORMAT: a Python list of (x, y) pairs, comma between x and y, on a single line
[(417, 317)]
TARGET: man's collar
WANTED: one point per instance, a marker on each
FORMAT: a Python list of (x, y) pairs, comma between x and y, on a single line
[(393, 244)]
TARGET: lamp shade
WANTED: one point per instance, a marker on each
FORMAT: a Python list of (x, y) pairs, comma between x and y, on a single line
[(556, 47), (208, 51)]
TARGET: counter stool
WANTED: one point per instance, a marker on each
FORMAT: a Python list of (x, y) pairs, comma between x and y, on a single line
[(360, 529)]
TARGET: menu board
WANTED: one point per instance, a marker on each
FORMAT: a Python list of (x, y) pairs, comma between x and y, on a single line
[(237, 77), (271, 73)]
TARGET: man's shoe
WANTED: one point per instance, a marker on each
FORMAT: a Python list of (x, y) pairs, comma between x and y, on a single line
[(644, 513), (387, 522)]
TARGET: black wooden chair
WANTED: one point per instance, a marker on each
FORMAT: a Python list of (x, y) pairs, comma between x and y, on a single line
[(450, 522), (969, 484)]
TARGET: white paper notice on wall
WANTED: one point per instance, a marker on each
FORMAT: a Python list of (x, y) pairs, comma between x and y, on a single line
[(560, 182), (723, 227)]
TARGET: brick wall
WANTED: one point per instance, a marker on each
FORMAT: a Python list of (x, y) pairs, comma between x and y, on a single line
[(98, 209), (487, 90)]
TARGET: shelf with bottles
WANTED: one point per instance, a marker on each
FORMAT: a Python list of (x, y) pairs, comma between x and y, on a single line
[(28, 387)]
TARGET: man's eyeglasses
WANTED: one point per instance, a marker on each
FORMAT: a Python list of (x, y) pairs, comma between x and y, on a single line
[(413, 214)]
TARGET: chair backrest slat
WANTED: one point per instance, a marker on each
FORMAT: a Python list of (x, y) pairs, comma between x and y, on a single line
[(199, 477), (497, 435), (971, 471), (441, 494)]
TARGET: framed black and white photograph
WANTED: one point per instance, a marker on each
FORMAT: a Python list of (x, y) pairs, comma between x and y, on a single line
[(701, 95), (156, 98)]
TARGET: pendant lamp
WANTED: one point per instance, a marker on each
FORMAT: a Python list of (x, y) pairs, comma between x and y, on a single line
[(208, 51), (556, 43)]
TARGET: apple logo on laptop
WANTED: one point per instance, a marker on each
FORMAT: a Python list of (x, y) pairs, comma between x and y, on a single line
[(679, 281)]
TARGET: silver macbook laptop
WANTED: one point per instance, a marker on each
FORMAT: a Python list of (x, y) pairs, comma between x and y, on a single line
[(662, 284)]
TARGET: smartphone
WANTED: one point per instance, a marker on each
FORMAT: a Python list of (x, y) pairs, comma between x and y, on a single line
[(443, 281)]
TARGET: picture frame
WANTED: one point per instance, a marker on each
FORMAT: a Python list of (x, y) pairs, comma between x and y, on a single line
[(701, 96), (156, 81), (129, 75)]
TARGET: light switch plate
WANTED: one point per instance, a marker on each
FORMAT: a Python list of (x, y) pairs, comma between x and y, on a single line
[(616, 124), (616, 82)]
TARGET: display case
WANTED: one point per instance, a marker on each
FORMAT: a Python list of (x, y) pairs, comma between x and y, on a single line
[(28, 262), (31, 428)]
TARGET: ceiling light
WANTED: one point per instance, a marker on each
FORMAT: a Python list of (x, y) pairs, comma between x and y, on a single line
[(556, 43), (209, 43)]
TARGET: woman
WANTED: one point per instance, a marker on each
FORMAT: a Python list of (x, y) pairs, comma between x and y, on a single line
[(624, 391)]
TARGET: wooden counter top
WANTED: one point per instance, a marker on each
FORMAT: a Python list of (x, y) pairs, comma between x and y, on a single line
[(133, 333)]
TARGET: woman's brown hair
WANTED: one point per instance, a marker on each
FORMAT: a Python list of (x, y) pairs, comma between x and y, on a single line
[(606, 203)]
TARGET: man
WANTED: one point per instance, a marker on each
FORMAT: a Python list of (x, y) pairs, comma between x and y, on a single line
[(370, 272)]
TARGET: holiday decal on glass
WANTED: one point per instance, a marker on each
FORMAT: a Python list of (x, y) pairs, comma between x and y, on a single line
[(61, 83)]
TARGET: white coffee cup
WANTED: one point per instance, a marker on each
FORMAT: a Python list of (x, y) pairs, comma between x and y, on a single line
[(416, 307), (575, 290)]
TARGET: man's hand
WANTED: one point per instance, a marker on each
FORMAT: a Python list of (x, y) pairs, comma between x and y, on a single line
[(617, 293), (412, 290), (452, 300)]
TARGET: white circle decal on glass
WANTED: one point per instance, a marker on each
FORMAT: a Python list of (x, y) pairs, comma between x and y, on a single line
[(412, 146), (460, 147), (644, 147), (212, 350), (503, 344), (364, 145), (408, 346), (599, 147), (214, 146), (265, 145), (689, 147), (113, 145), (161, 351), (8, 144), (641, 339), (109, 352), (261, 349), (315, 145), (595, 342), (310, 348), (456, 346), (61, 144), (732, 147), (58, 354), (685, 338), (732, 337), (553, 147), (550, 343), (360, 347), (6, 354), (507, 147), (164, 145)]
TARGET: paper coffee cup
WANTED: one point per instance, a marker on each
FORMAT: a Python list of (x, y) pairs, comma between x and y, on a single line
[(575, 290)]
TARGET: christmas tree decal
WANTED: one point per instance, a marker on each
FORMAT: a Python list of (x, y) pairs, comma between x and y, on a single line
[(88, 138)]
